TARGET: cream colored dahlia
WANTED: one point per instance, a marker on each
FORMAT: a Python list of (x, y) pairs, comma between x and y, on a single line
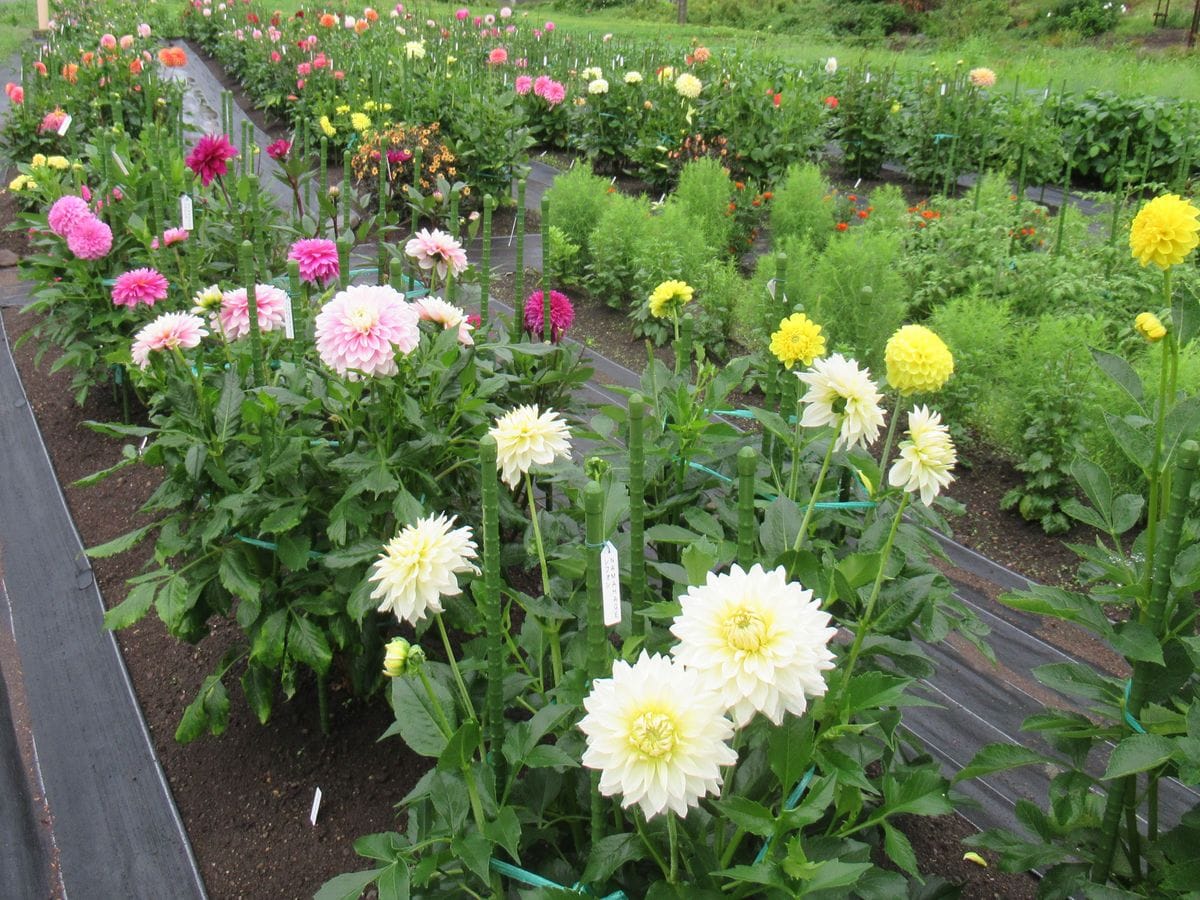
[(525, 438), (926, 457), (758, 640), (657, 734), (841, 392), (420, 565)]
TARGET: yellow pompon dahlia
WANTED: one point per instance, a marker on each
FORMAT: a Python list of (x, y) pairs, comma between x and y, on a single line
[(525, 439), (420, 565), (798, 340), (670, 297), (917, 360), (360, 121), (1150, 326), (926, 457), (842, 394), (327, 126), (657, 735), (1164, 231), (758, 640), (688, 85), (38, 160)]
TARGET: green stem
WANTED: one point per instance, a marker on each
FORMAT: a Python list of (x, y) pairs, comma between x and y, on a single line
[(438, 712), (891, 434), (537, 535), (673, 836), (812, 501), (458, 679), (654, 854), (734, 843)]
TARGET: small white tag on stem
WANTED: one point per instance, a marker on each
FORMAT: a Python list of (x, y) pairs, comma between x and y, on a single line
[(64, 125), (610, 584), (289, 324), (316, 807), (943, 89), (186, 218)]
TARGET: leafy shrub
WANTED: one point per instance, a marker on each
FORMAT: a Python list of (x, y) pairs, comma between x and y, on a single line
[(718, 288), (704, 192), (614, 248), (563, 256), (1087, 18), (757, 313), (889, 209), (671, 249), (577, 199), (801, 206)]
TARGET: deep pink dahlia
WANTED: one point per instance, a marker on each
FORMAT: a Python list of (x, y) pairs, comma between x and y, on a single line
[(562, 314), (279, 149), (234, 315), (66, 213), (318, 259), (90, 238), (437, 250), (136, 286), (209, 156), (168, 332), (362, 328)]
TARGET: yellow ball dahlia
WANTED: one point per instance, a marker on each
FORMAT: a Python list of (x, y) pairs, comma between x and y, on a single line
[(798, 339), (917, 360), (1164, 231), (669, 297), (1150, 326)]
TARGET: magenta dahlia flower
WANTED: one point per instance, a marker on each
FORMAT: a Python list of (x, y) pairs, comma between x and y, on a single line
[(438, 251), (318, 259), (562, 314), (66, 213), (139, 286), (90, 238), (438, 311), (169, 331), (279, 149), (362, 328), (209, 156), (234, 314)]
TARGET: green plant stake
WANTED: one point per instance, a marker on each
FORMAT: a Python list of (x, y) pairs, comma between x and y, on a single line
[(384, 190), (396, 273), (299, 313), (248, 275), (345, 198), (747, 462), (343, 246), (683, 347), (637, 510), (781, 261), (494, 704), (519, 275), (1062, 209), (597, 639), (416, 215), (485, 269), (158, 202), (1143, 671)]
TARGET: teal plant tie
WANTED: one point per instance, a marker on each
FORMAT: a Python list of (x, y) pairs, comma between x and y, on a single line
[(532, 879), (270, 545), (792, 800), (938, 138), (1129, 719)]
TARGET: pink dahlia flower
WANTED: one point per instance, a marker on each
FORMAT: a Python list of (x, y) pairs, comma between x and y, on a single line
[(498, 56), (136, 286), (169, 331), (208, 158), (523, 84), (318, 259), (540, 84), (362, 328), (234, 315), (90, 238), (66, 213), (562, 314), (174, 236), (52, 121), (437, 250), (437, 310), (555, 93)]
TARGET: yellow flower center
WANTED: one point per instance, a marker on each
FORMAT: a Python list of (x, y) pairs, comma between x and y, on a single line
[(745, 630), (362, 319), (653, 735)]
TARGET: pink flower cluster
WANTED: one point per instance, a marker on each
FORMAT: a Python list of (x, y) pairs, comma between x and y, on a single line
[(317, 258), (139, 286), (15, 92), (234, 315), (553, 92), (170, 331), (363, 327), (87, 236), (435, 250), (562, 314)]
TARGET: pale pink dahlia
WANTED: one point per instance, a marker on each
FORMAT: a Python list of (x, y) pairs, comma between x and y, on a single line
[(234, 315), (66, 213), (90, 238), (318, 259), (562, 314), (498, 56), (137, 286), (435, 309), (540, 84), (174, 236), (437, 250), (169, 331), (362, 328)]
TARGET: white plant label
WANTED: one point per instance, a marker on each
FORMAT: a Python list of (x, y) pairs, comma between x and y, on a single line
[(943, 89), (187, 217), (120, 164), (316, 807), (868, 78), (289, 324), (64, 125), (610, 584)]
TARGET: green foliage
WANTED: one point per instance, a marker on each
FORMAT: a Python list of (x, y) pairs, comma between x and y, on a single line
[(801, 206), (564, 257), (614, 248), (673, 249), (704, 192), (577, 200)]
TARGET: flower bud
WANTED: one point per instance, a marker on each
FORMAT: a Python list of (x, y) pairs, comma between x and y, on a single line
[(1149, 326), (402, 658)]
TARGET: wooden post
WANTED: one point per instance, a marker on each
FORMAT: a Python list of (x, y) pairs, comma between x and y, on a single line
[(43, 15)]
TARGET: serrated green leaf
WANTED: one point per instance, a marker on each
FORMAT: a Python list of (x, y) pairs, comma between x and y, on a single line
[(415, 721), (122, 543), (1134, 640), (899, 850), (237, 573), (609, 854), (135, 605), (348, 886), (258, 684), (475, 851), (748, 815), (1000, 757), (1138, 753), (1120, 372), (307, 643)]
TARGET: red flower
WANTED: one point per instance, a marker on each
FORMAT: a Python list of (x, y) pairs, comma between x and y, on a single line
[(280, 149), (831, 102), (862, 213), (842, 226), (777, 99), (209, 156)]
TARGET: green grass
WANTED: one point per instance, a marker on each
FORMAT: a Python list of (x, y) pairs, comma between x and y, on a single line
[(18, 19)]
